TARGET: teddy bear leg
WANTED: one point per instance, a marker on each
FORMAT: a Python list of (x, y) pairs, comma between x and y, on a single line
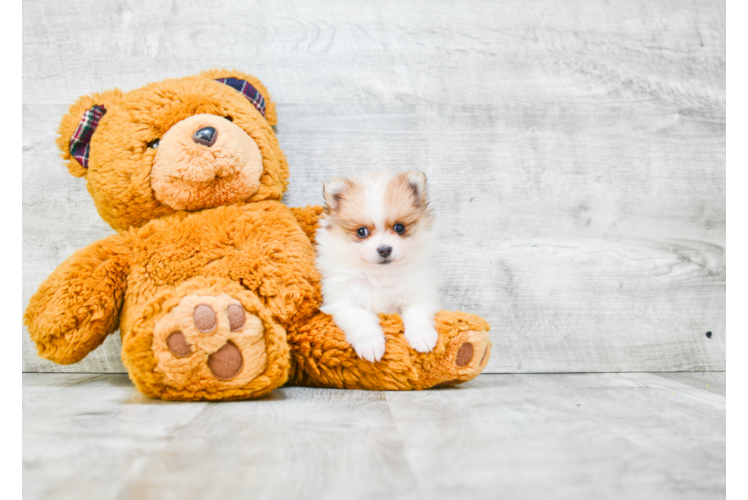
[(208, 339), (321, 357)]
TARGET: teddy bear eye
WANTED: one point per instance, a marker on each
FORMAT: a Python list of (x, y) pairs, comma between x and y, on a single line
[(154, 143), (362, 232), (399, 228)]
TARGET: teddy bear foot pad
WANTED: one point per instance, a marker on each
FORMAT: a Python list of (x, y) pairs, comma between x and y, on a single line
[(210, 336), (470, 359), (208, 339)]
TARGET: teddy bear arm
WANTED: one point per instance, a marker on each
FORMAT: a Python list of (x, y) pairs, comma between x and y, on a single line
[(78, 305), (307, 217)]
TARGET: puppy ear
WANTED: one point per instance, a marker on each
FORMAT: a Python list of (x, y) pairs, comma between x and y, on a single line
[(78, 126), (417, 182), (333, 192)]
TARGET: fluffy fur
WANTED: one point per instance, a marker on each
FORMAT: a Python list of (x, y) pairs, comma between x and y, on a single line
[(369, 267), (186, 237)]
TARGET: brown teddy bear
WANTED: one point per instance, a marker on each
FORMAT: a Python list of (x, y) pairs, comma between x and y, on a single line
[(210, 278)]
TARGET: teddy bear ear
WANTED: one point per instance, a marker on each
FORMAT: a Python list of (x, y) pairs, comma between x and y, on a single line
[(250, 86), (78, 126)]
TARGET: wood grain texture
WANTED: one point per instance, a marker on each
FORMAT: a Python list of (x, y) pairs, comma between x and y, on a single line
[(602, 436), (735, 175), (575, 150)]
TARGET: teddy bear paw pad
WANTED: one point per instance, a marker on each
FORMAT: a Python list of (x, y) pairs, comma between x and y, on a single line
[(207, 336), (471, 352)]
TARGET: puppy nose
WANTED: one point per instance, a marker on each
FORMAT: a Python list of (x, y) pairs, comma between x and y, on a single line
[(206, 136), (384, 251)]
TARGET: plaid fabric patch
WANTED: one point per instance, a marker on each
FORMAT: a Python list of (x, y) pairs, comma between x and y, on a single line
[(248, 90), (81, 140)]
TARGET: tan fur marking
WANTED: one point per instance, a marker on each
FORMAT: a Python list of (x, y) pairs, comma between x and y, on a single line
[(404, 206), (347, 210), (350, 212)]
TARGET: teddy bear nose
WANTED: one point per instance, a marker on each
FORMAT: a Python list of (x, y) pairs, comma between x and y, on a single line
[(206, 136)]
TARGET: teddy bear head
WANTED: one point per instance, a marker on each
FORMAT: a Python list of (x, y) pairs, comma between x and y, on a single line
[(184, 144)]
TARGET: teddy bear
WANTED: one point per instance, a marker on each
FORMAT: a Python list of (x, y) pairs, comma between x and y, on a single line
[(210, 278)]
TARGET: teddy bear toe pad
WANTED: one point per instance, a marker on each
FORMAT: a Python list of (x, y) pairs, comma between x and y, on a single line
[(470, 353), (207, 336)]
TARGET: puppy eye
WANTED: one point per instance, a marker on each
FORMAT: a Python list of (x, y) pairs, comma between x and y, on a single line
[(154, 143), (362, 232), (399, 228)]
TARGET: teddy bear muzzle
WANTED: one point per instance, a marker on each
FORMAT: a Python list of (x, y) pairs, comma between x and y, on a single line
[(205, 161)]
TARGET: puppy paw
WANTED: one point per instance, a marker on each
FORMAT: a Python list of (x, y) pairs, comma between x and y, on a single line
[(369, 345), (422, 339)]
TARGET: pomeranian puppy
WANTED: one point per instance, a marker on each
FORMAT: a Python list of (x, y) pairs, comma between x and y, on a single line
[(375, 248)]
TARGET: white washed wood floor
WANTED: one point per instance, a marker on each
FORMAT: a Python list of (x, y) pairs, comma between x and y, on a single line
[(576, 436)]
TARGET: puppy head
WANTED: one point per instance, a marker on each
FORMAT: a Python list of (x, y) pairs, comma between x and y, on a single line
[(381, 217)]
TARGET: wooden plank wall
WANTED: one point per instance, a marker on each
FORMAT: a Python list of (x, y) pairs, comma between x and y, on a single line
[(735, 182), (575, 150)]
